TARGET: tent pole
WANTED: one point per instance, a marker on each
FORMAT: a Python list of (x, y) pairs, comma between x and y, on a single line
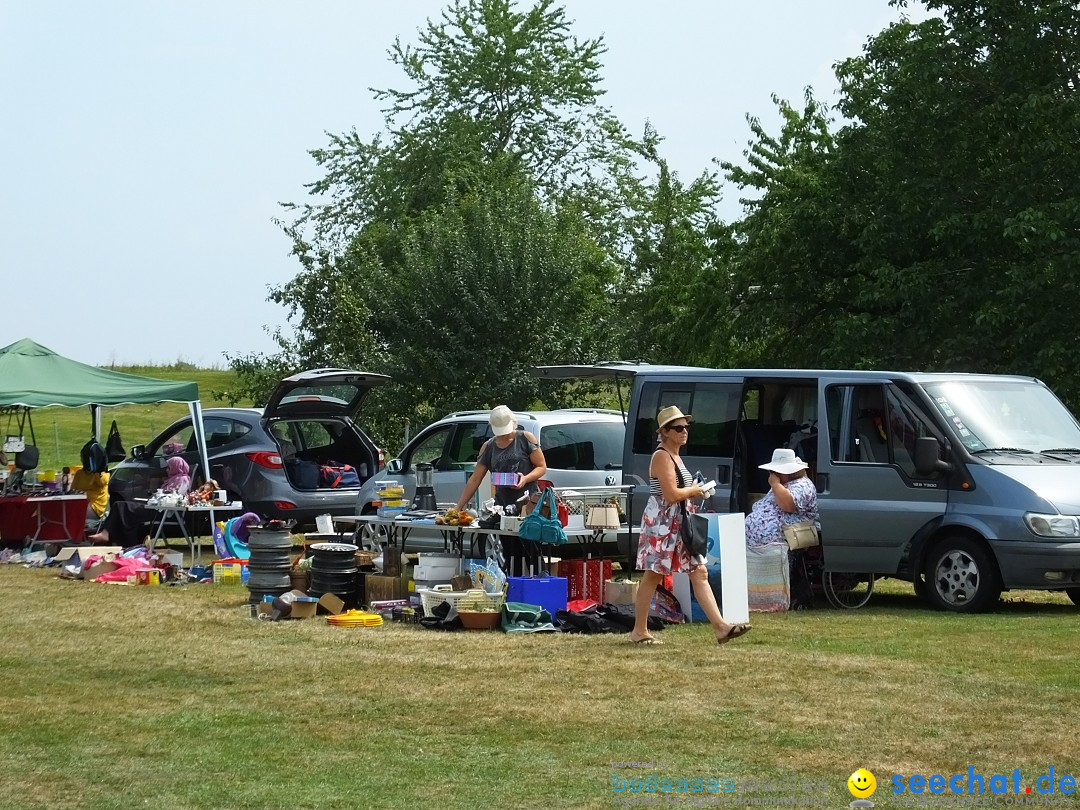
[(95, 420), (200, 437)]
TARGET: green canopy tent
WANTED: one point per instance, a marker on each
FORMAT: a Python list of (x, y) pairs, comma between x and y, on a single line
[(33, 376)]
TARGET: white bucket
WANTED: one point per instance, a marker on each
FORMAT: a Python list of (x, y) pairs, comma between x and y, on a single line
[(325, 524)]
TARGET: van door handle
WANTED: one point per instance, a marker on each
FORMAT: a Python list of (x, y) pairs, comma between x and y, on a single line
[(723, 474)]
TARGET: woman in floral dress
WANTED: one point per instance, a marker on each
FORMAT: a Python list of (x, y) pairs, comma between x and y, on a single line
[(661, 550)]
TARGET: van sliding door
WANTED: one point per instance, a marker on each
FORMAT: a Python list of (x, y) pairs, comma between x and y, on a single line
[(871, 499)]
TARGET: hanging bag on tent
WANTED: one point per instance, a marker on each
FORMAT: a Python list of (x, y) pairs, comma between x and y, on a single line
[(114, 447), (26, 458), (14, 443)]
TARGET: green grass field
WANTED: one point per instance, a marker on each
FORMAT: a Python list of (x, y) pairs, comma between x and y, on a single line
[(120, 697), (61, 432)]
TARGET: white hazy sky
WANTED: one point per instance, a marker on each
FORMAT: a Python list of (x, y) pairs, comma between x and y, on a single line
[(148, 143)]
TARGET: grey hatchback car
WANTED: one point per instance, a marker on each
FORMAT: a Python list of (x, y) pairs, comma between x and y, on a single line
[(278, 461)]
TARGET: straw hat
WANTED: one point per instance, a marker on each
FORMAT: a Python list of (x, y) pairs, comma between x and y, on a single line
[(670, 414)]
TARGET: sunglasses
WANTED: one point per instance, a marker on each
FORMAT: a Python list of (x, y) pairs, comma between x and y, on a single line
[(679, 428)]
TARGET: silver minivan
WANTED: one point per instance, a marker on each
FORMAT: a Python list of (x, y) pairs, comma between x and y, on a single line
[(582, 446), (963, 484)]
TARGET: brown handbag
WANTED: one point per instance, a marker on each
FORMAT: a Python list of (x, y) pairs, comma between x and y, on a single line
[(801, 535)]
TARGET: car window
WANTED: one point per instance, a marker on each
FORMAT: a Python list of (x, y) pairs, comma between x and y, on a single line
[(466, 443), (429, 448), (180, 440), (221, 431), (583, 445), (314, 434)]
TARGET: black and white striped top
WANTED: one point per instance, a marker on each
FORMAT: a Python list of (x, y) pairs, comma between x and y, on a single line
[(685, 479)]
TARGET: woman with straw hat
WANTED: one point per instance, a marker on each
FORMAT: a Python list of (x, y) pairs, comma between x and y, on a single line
[(661, 550)]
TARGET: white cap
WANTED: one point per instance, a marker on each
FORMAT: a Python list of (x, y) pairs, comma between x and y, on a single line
[(502, 420)]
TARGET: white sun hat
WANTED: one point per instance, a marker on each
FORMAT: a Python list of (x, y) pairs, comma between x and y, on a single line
[(502, 420), (785, 462)]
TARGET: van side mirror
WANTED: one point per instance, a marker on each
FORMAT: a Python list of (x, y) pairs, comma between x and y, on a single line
[(393, 466), (138, 450), (928, 456)]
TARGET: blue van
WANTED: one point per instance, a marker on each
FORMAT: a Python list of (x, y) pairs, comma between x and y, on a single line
[(963, 484)]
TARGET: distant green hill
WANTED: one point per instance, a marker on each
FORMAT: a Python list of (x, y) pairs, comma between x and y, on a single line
[(61, 432)]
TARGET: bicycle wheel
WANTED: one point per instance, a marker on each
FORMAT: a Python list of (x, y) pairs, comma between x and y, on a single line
[(847, 591)]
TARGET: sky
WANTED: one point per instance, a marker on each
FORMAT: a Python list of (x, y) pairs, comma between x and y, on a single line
[(148, 144)]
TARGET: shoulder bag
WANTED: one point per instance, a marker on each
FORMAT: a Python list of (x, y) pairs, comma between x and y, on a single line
[(540, 529), (114, 447), (801, 535), (694, 531)]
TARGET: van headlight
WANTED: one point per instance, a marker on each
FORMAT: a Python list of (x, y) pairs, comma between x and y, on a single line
[(1053, 525)]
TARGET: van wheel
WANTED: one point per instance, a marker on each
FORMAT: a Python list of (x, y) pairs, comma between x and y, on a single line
[(848, 591), (961, 576), (1074, 594)]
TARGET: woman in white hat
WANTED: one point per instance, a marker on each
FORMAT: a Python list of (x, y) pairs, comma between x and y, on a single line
[(792, 498), (661, 550), (509, 451)]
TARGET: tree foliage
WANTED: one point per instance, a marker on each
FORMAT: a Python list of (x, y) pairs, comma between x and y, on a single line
[(938, 227), (482, 232)]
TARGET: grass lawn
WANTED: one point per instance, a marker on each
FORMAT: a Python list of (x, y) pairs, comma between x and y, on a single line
[(61, 432), (171, 697)]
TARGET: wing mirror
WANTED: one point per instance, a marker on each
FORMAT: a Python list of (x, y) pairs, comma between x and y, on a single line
[(394, 466), (138, 450), (928, 456)]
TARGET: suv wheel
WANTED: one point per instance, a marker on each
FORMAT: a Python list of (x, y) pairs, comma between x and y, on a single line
[(961, 576), (1074, 594)]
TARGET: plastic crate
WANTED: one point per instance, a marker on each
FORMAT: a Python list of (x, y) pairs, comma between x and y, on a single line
[(228, 573)]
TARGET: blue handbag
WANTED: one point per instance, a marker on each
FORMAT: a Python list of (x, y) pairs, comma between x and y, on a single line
[(540, 529)]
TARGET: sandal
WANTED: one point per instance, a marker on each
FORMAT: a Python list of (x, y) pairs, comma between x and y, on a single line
[(647, 641), (733, 632)]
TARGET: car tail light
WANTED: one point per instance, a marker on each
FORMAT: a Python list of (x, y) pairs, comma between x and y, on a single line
[(266, 458), (284, 504), (382, 458)]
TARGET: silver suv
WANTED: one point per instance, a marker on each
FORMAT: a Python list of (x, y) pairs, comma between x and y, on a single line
[(582, 446)]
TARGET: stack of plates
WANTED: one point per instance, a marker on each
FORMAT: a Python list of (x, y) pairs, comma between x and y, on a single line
[(355, 618)]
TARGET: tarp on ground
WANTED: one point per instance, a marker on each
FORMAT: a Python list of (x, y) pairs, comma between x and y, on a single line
[(33, 376)]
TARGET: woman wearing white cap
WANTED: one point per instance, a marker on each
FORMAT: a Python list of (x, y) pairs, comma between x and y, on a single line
[(792, 498), (661, 550), (509, 451)]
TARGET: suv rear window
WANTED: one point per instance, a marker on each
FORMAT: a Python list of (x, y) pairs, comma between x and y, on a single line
[(583, 445)]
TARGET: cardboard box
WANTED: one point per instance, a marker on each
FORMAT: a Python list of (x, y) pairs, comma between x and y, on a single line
[(621, 592), (331, 603), (304, 607), (85, 552)]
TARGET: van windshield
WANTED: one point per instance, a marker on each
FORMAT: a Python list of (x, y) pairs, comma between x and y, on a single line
[(1005, 415)]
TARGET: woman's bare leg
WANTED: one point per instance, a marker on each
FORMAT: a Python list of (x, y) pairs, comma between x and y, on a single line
[(642, 603)]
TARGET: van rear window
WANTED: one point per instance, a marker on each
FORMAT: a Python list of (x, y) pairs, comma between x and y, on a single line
[(583, 445)]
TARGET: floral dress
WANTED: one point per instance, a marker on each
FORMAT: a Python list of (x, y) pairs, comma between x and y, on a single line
[(765, 523), (660, 548)]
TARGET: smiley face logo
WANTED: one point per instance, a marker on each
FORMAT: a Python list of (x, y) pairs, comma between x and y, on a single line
[(862, 784)]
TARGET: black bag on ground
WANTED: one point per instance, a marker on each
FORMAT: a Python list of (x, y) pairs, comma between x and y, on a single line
[(114, 447)]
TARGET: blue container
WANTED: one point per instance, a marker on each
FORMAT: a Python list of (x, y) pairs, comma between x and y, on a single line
[(547, 592)]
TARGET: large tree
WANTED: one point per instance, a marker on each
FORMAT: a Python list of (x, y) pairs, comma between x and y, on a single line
[(939, 226)]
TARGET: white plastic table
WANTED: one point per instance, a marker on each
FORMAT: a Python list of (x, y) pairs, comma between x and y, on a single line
[(178, 513)]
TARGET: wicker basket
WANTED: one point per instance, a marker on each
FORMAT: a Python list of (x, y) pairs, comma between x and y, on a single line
[(475, 600), (578, 502)]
